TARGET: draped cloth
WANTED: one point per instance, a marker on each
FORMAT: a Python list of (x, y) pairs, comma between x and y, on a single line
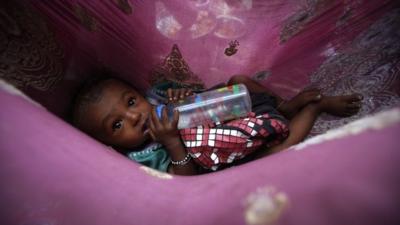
[(53, 174), (48, 48)]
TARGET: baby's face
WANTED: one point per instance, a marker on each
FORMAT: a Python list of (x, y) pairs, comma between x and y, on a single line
[(119, 118)]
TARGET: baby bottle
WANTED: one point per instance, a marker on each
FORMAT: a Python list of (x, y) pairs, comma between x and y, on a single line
[(213, 106)]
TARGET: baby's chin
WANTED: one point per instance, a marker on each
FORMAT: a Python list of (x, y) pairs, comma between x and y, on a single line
[(146, 139)]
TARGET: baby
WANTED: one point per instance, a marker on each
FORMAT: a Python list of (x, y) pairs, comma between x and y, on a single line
[(114, 113)]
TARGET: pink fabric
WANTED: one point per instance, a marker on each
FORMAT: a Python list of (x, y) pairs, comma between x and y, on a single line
[(288, 39), (53, 174)]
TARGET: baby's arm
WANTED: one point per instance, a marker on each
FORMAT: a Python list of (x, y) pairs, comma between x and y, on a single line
[(178, 153), (166, 133)]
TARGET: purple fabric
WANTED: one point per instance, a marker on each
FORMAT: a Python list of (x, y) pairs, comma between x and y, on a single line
[(287, 39), (341, 47), (53, 174)]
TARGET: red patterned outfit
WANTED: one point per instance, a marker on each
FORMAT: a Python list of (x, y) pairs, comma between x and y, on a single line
[(219, 144)]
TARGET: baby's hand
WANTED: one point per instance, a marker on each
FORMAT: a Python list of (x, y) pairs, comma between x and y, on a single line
[(163, 130), (177, 94)]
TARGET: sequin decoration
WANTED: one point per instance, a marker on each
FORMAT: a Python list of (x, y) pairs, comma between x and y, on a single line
[(166, 22), (229, 27), (210, 17), (203, 25)]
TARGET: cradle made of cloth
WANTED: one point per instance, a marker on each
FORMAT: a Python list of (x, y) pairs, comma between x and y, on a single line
[(53, 174)]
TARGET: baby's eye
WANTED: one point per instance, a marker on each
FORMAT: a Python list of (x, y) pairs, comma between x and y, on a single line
[(117, 125), (131, 101)]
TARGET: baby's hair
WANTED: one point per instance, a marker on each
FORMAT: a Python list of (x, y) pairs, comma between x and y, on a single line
[(90, 92)]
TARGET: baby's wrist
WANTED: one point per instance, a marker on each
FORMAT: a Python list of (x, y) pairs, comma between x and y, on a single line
[(172, 142), (176, 150)]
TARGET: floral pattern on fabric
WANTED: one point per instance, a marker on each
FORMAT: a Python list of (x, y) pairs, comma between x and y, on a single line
[(175, 70), (29, 53), (370, 66), (214, 145)]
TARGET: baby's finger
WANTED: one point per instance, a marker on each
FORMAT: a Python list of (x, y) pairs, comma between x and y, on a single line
[(151, 119), (182, 93), (154, 119), (176, 94), (169, 94), (189, 92), (151, 124), (175, 119), (153, 137), (164, 116)]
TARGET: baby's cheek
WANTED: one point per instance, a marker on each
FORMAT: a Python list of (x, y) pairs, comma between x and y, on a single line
[(134, 138), (147, 106)]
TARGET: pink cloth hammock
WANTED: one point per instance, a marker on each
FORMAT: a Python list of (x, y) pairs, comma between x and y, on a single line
[(52, 173)]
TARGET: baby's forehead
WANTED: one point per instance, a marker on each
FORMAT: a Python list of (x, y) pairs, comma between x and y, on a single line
[(103, 96), (115, 88), (92, 112)]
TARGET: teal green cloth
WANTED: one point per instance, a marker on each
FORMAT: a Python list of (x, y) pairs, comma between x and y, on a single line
[(154, 156)]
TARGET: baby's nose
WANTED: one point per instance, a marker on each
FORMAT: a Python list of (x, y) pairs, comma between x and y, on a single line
[(133, 116)]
